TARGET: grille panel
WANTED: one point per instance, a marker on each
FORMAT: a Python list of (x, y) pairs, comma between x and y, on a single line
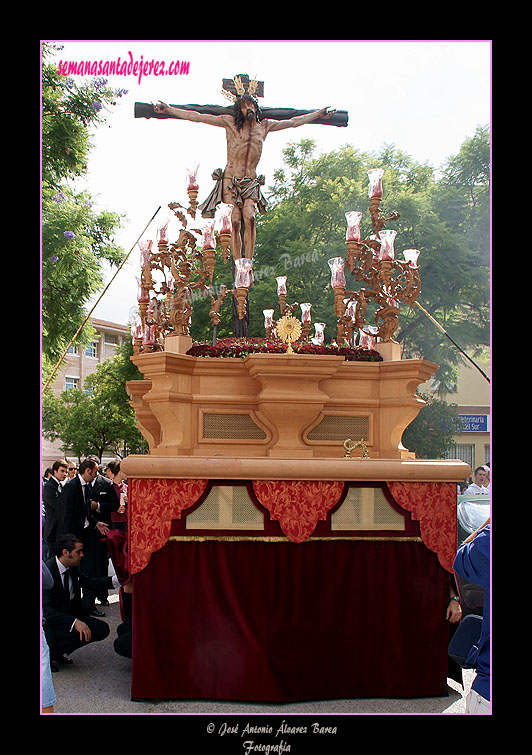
[(231, 427), (226, 507), (367, 508), (339, 428)]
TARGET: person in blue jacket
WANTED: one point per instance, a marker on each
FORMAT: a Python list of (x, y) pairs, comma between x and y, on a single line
[(472, 562)]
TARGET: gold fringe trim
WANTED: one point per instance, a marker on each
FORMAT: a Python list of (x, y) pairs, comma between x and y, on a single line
[(273, 539)]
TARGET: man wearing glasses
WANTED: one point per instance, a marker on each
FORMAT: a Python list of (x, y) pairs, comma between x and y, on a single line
[(72, 469)]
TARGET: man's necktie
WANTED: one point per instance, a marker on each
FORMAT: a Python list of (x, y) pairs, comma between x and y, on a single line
[(66, 583), (86, 490)]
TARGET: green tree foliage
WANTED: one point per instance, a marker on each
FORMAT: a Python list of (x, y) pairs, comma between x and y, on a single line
[(77, 241), (99, 418), (430, 435)]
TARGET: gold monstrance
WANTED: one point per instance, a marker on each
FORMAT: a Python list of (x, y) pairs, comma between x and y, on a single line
[(288, 330)]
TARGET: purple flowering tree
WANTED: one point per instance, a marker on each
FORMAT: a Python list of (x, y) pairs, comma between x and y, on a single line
[(77, 240)]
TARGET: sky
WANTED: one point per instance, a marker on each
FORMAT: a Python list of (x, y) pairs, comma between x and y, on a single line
[(425, 97)]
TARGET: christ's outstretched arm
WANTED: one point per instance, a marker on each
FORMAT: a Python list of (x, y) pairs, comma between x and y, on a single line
[(298, 120), (192, 115)]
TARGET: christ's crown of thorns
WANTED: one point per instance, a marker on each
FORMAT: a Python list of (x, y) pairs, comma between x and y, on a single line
[(240, 88)]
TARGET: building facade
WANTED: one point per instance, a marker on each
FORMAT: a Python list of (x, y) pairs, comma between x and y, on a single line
[(473, 397), (79, 363)]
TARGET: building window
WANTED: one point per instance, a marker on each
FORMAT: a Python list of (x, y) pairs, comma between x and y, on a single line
[(90, 351), (72, 349), (486, 453), (71, 382), (464, 452), (111, 339)]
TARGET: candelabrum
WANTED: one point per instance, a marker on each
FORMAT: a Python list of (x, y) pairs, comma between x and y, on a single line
[(171, 273), (389, 282)]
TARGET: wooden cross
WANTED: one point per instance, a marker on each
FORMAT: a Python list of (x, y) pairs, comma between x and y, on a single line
[(339, 118), (234, 87)]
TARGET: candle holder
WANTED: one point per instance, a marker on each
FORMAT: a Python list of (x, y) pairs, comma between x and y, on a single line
[(209, 247), (281, 292), (136, 334), (353, 225), (269, 324), (375, 183), (338, 283), (162, 234), (214, 312), (243, 282), (148, 341), (411, 256), (387, 239), (224, 213), (192, 190), (366, 340), (319, 333), (346, 323), (143, 295), (192, 178), (305, 319)]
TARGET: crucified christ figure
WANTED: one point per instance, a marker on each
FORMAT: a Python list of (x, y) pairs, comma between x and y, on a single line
[(239, 184)]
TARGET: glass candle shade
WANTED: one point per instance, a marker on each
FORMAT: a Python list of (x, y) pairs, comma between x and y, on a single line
[(192, 180), (319, 335), (305, 312), (268, 318), (375, 182), (387, 239), (243, 272), (281, 285), (366, 340), (149, 335), (337, 272), (209, 241), (145, 249), (353, 225), (223, 217), (136, 328), (162, 232), (411, 256), (350, 309)]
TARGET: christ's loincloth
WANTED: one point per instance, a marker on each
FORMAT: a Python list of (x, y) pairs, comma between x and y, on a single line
[(241, 189)]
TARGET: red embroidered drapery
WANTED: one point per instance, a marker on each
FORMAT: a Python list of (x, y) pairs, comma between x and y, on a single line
[(298, 504), (153, 504), (433, 504)]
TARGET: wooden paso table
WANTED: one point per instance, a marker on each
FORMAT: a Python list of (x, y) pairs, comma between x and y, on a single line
[(285, 579)]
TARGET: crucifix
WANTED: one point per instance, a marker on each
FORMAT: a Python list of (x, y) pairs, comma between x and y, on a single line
[(246, 126)]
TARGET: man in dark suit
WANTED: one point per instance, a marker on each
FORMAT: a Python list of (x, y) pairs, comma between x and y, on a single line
[(67, 627), (104, 500), (50, 496), (80, 516)]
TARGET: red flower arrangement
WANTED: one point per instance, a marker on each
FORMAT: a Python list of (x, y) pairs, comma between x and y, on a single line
[(241, 347)]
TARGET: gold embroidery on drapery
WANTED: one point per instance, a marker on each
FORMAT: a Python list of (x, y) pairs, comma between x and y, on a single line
[(274, 539)]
